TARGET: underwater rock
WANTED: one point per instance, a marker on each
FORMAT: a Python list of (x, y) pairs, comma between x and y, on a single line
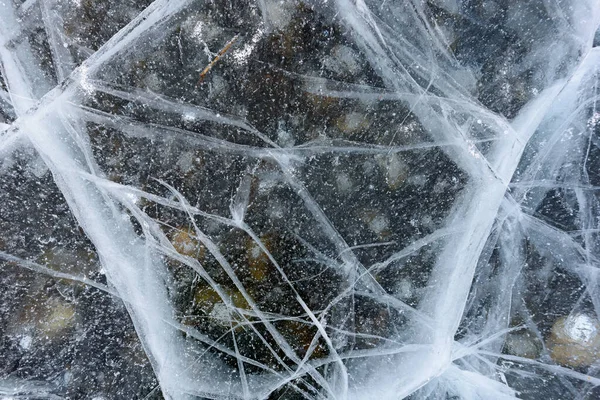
[(58, 316), (395, 170), (187, 244), (523, 344), (575, 340)]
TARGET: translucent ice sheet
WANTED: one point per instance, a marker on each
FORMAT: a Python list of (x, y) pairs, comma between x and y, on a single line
[(299, 199)]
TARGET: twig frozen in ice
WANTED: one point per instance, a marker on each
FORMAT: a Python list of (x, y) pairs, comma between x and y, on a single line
[(220, 54)]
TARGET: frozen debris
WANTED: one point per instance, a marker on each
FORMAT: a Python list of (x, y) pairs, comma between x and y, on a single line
[(284, 137), (25, 341), (594, 120), (352, 122), (376, 222), (278, 13), (186, 161), (343, 60), (242, 54), (394, 169), (417, 179), (523, 344), (199, 28), (221, 314), (217, 57), (343, 182), (575, 340), (404, 290), (224, 315)]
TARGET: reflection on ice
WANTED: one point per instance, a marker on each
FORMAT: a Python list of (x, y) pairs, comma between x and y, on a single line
[(348, 199)]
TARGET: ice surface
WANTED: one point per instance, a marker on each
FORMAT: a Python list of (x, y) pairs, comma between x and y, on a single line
[(299, 199)]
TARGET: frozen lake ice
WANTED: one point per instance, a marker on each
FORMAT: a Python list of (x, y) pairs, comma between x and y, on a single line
[(299, 199)]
